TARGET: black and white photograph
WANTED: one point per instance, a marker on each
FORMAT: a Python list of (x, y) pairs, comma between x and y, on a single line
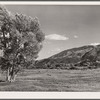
[(49, 48)]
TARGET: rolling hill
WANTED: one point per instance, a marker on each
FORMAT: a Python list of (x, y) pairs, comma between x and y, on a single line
[(75, 58)]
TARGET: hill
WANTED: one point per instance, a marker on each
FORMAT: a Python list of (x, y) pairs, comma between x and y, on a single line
[(75, 58)]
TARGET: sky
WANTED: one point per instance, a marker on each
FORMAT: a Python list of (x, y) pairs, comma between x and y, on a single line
[(65, 26)]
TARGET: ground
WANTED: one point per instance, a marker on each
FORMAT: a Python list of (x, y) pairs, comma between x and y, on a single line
[(54, 80)]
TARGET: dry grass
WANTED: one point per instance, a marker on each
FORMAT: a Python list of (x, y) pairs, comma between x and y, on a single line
[(54, 80)]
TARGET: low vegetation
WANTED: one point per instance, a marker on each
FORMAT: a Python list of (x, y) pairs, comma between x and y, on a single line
[(54, 80)]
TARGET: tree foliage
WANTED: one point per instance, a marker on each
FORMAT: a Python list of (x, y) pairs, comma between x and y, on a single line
[(20, 39)]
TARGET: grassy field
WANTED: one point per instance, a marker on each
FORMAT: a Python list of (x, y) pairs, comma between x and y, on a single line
[(54, 80)]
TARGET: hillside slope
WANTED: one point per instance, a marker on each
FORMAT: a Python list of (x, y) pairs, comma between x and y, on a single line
[(85, 56)]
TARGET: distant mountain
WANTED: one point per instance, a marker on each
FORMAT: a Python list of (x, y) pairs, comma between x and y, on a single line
[(75, 58)]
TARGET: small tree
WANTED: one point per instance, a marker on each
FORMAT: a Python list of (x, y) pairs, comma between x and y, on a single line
[(20, 40)]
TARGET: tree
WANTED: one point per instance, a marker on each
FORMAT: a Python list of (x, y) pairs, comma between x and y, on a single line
[(20, 40)]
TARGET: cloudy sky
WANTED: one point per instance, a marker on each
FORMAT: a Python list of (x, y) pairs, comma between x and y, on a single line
[(64, 26)]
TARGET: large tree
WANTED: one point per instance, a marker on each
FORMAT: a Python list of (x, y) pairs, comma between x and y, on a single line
[(20, 41)]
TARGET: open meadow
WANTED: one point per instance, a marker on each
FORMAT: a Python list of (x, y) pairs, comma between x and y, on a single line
[(54, 80)]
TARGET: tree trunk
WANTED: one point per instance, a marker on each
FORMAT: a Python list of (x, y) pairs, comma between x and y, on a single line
[(10, 75)]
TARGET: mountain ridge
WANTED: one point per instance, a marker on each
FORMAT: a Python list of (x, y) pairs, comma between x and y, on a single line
[(80, 56)]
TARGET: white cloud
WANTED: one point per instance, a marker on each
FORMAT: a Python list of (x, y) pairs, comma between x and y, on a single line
[(75, 36), (95, 44), (56, 37)]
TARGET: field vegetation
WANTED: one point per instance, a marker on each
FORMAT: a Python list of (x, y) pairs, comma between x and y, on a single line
[(54, 80)]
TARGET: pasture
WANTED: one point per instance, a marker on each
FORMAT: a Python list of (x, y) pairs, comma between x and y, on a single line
[(55, 80)]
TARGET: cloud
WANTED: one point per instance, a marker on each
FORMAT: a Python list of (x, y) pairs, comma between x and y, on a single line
[(75, 36), (95, 44), (56, 37)]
